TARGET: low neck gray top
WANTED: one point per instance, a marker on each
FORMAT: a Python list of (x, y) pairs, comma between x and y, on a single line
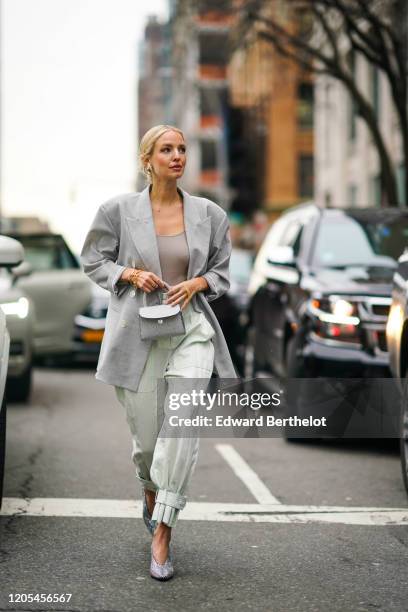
[(174, 257)]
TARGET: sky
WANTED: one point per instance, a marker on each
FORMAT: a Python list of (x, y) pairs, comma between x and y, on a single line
[(69, 107)]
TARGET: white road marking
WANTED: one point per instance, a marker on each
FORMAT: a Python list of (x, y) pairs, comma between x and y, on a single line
[(245, 473), (204, 511)]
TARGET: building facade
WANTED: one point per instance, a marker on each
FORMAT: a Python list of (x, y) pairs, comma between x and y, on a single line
[(276, 101), (155, 79), (347, 164), (200, 93)]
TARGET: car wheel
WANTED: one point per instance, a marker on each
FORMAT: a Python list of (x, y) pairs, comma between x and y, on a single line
[(251, 366), (295, 368), (295, 365), (2, 445), (404, 433), (18, 389)]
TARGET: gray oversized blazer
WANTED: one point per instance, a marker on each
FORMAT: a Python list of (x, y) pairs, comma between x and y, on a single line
[(122, 235)]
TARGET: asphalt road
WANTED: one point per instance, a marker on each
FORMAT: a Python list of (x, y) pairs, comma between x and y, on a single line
[(252, 536)]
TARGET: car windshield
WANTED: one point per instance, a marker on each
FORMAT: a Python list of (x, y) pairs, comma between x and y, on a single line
[(47, 253), (344, 241)]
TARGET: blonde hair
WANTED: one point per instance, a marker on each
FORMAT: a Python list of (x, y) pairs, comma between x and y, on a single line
[(146, 146)]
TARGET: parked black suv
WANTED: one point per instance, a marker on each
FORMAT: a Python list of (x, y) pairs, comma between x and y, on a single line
[(321, 292), (397, 342)]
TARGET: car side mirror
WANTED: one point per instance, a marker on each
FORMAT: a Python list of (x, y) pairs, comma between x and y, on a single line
[(282, 256), (23, 269), (11, 252)]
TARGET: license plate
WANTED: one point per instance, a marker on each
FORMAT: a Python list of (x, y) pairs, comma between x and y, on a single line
[(92, 335)]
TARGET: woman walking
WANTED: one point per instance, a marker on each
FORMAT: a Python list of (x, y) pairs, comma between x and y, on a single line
[(161, 240)]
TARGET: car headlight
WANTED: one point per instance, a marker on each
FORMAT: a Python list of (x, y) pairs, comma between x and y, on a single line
[(335, 318), (342, 309), (18, 308), (395, 321)]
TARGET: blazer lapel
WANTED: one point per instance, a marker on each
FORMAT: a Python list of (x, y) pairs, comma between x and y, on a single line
[(143, 233), (198, 230)]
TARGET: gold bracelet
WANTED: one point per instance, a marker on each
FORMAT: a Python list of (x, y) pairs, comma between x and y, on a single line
[(134, 276)]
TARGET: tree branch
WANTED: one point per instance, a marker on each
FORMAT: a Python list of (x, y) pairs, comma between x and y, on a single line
[(295, 41), (291, 55), (328, 31), (379, 25)]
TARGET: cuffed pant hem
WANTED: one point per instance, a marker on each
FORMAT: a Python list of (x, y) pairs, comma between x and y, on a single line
[(165, 514), (167, 507)]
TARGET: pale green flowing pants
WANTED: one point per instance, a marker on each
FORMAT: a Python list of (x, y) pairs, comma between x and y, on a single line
[(166, 464)]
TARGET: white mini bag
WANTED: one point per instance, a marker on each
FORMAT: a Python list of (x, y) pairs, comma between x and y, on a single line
[(160, 320)]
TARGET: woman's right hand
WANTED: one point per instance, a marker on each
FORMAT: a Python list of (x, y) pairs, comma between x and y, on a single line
[(146, 281)]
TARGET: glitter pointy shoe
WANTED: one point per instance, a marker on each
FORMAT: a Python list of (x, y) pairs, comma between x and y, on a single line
[(147, 517), (163, 571)]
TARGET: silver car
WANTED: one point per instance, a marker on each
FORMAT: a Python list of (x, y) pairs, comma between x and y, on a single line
[(11, 254), (58, 289), (20, 316)]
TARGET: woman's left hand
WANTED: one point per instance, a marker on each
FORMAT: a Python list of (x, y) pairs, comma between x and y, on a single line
[(184, 291)]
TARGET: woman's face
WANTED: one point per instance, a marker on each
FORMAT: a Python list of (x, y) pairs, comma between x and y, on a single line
[(169, 156)]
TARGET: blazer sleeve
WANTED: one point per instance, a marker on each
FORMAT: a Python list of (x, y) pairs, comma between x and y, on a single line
[(99, 254), (217, 274)]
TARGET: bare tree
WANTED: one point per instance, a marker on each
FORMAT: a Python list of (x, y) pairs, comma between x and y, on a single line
[(319, 36)]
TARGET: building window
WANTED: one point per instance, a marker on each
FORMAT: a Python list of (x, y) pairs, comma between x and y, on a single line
[(208, 155), (352, 195), (375, 190), (214, 6), (328, 119), (305, 106), (209, 101), (375, 89), (352, 106), (213, 48), (305, 176), (402, 196), (328, 200)]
